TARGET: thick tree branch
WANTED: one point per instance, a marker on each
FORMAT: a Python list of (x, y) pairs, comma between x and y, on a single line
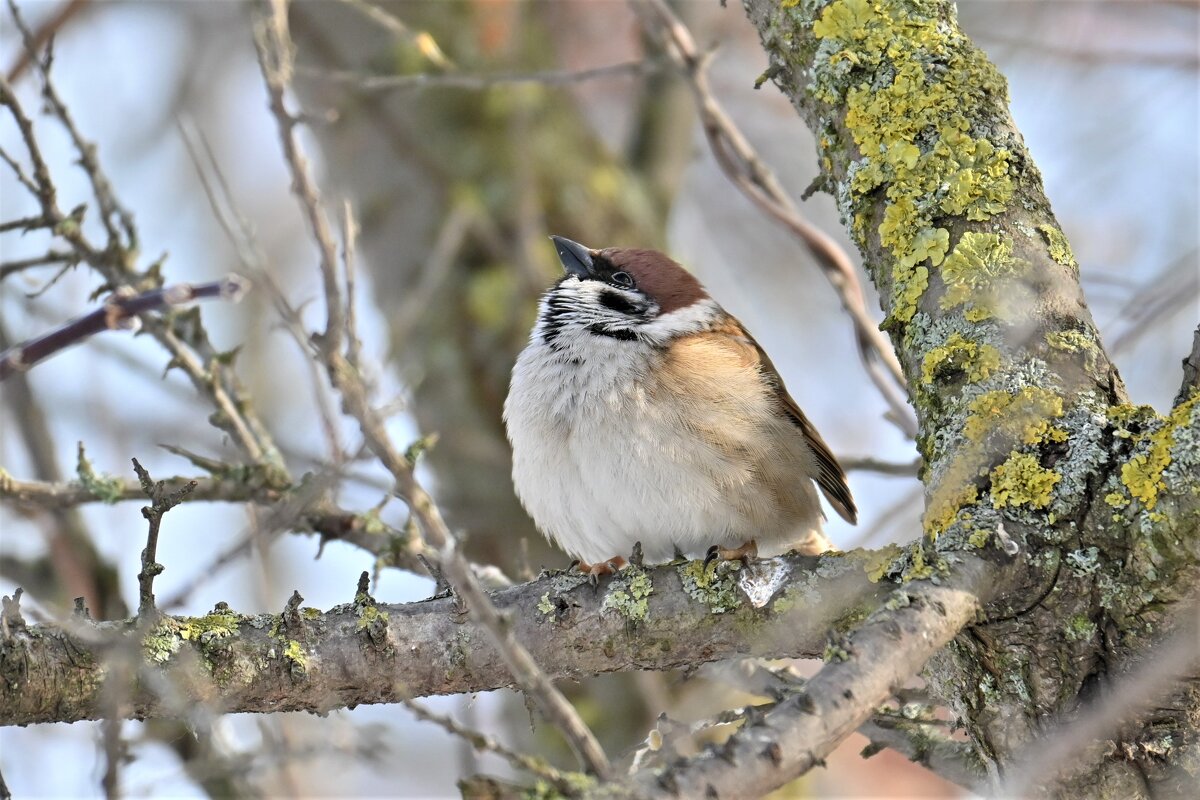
[(364, 653), (862, 672)]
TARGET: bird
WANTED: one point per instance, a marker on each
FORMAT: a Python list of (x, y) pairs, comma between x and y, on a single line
[(643, 415)]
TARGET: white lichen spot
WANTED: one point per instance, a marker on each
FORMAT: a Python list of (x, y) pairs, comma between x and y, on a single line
[(761, 581)]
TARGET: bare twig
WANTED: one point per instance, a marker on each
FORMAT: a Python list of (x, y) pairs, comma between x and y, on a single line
[(364, 530), (46, 259), (742, 164), (425, 44), (187, 343), (274, 45), (121, 311), (112, 212), (241, 236), (44, 34), (868, 464), (457, 80), (487, 744), (161, 501)]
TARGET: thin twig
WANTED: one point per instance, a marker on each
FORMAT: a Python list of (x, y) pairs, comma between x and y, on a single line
[(478, 83), (425, 44), (188, 346), (122, 311), (484, 743), (742, 165), (275, 49), (161, 501), (46, 259), (241, 235), (868, 464)]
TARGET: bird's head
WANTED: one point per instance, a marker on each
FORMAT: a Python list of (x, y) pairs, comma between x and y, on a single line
[(621, 295)]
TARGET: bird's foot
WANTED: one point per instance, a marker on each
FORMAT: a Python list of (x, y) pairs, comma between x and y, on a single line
[(595, 571), (746, 552)]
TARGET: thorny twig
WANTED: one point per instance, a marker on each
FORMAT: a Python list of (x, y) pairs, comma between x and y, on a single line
[(739, 161), (274, 45), (161, 501)]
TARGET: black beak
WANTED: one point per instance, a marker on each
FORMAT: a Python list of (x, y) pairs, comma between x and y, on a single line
[(576, 259)]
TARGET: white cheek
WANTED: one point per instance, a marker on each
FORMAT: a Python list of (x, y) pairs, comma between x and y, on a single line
[(682, 321)]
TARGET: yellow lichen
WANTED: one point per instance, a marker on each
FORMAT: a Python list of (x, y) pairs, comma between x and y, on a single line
[(1142, 474), (1076, 342), (1022, 481), (978, 361), (1058, 246), (978, 275), (628, 595), (913, 129), (946, 501), (997, 422), (1023, 417)]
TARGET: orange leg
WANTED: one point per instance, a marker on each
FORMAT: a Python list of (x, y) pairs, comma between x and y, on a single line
[(747, 551), (608, 567)]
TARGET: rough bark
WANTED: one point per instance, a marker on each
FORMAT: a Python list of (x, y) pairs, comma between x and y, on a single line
[(1025, 427), (363, 652)]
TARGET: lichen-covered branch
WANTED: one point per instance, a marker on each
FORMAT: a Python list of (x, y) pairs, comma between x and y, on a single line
[(1027, 437), (364, 652), (863, 669)]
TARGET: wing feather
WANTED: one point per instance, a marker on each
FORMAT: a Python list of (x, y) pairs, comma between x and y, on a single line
[(830, 477)]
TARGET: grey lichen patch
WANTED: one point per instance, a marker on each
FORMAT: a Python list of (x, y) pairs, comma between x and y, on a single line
[(627, 594), (1084, 562), (1086, 453), (715, 587), (163, 641)]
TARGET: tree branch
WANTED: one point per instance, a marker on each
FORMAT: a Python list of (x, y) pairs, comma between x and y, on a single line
[(1191, 370), (861, 673), (121, 311), (374, 653)]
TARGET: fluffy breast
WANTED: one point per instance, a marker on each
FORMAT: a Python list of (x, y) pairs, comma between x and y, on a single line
[(678, 447)]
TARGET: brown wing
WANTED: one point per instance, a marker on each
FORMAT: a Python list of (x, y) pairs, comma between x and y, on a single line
[(830, 476)]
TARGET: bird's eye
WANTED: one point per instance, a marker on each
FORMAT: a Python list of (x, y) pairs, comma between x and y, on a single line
[(622, 279)]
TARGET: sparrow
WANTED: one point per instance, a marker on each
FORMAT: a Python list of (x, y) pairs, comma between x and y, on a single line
[(642, 411)]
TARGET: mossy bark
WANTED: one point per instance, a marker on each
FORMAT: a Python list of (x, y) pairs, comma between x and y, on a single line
[(1025, 429)]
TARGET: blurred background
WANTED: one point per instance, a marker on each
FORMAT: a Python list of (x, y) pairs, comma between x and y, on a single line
[(456, 184)]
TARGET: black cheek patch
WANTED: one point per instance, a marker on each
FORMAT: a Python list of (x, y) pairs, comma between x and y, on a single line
[(612, 333), (616, 302)]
